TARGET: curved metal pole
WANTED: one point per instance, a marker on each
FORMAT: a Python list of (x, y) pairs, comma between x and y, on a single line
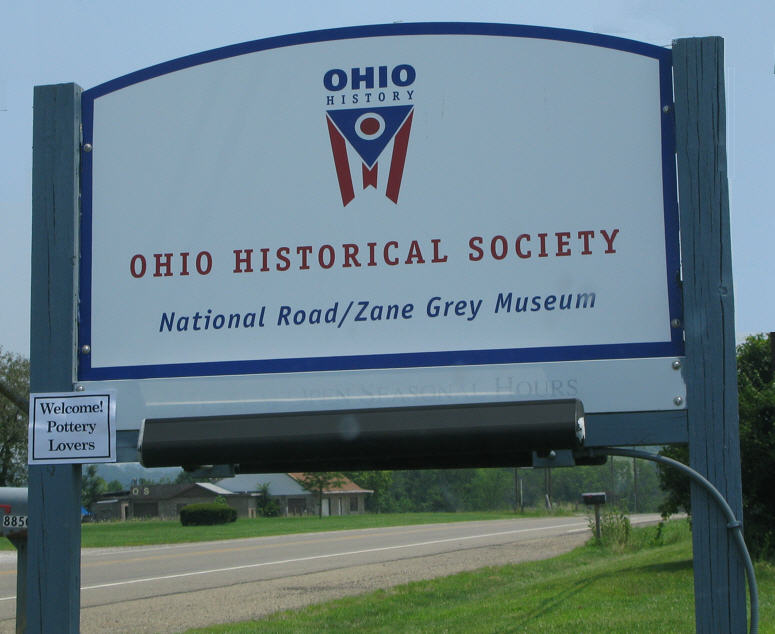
[(733, 522)]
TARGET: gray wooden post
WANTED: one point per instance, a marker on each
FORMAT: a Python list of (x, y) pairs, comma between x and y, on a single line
[(54, 533), (710, 373)]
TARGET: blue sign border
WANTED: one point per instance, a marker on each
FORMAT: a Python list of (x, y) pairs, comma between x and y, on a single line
[(673, 347)]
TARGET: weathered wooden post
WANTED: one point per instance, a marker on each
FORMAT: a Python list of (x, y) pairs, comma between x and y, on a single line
[(710, 372), (54, 537)]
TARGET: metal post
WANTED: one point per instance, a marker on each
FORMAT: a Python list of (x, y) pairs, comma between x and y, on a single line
[(710, 369), (54, 534)]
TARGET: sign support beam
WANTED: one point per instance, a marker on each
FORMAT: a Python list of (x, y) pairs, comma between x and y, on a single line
[(711, 381), (54, 535)]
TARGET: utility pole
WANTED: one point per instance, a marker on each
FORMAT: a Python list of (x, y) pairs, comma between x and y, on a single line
[(548, 487), (613, 480), (518, 500), (635, 484)]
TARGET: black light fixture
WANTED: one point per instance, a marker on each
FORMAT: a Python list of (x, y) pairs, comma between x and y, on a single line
[(450, 436)]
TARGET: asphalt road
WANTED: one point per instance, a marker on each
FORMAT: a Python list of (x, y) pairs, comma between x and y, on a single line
[(175, 587)]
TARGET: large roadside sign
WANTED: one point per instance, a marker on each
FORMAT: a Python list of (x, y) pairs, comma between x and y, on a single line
[(399, 246), (390, 216)]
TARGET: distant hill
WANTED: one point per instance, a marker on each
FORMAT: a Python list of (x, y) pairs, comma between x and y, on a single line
[(126, 472)]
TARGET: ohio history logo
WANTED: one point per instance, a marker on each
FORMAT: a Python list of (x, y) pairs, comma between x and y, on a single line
[(384, 103)]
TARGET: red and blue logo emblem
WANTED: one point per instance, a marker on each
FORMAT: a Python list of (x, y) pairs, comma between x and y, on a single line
[(368, 130)]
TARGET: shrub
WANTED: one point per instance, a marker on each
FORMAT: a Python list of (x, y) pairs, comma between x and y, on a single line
[(265, 505), (615, 528), (207, 514), (270, 508)]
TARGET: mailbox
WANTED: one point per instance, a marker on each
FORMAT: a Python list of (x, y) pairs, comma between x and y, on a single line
[(593, 499), (13, 510)]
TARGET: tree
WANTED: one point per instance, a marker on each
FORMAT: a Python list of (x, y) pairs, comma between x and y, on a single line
[(490, 489), (380, 483), (114, 486), (185, 477), (92, 486), (756, 396), (451, 490), (14, 403), (320, 482), (431, 490), (265, 504), (675, 483)]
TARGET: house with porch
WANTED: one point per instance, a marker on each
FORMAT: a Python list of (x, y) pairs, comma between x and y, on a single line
[(287, 489)]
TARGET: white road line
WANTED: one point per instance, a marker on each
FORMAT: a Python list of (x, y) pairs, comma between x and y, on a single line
[(328, 556)]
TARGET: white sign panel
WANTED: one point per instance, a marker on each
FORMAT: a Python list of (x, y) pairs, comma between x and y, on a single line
[(397, 197), (72, 428)]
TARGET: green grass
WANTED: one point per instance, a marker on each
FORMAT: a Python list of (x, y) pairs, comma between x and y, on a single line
[(645, 587), (148, 532)]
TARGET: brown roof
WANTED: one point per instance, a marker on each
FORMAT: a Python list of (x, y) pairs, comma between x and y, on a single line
[(347, 486)]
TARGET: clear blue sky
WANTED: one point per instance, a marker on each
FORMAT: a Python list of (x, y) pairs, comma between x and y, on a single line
[(92, 41)]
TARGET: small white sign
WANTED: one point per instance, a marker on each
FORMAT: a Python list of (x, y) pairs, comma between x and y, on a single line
[(72, 428)]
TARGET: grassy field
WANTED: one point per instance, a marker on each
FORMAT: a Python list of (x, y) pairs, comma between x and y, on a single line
[(147, 532), (643, 587)]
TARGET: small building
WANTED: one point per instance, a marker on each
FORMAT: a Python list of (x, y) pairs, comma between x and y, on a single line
[(164, 501), (242, 493), (287, 489)]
